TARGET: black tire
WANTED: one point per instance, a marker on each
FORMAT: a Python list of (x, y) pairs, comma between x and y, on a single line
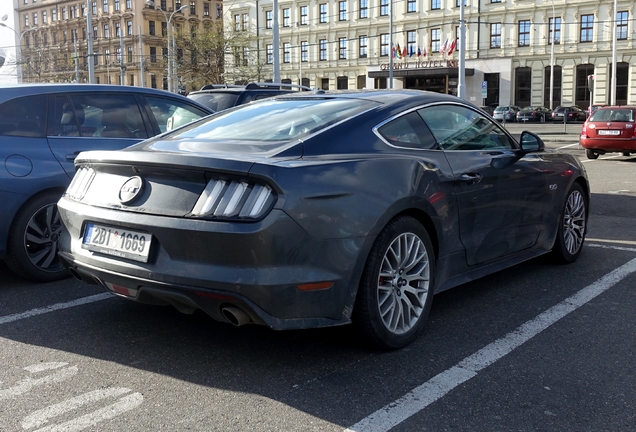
[(591, 154), (32, 242), (379, 313), (572, 226)]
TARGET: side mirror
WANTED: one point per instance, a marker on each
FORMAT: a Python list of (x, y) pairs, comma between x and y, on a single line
[(531, 142)]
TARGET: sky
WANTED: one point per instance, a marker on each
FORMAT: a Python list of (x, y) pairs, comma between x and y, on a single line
[(7, 43)]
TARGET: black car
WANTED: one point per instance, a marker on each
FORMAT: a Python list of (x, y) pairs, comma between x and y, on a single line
[(312, 210), (534, 114), (218, 97), (574, 113)]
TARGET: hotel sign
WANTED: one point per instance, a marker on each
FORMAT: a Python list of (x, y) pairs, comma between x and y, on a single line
[(422, 65)]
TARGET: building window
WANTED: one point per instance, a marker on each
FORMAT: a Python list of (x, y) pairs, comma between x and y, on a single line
[(411, 38), (384, 7), (458, 3), (153, 81), (303, 15), (153, 54), (44, 21), (436, 4), (95, 58), (129, 54), (411, 5), (286, 17), (523, 86), (206, 9), (342, 48), (363, 44), (342, 83), (64, 14), (117, 5), (364, 8), (118, 29), (35, 18), (129, 30), (524, 33), (107, 31), (64, 36), (246, 21), (495, 35), (237, 22), (268, 19), (342, 10), (26, 20), (270, 54), (94, 32), (622, 81), (164, 53), (555, 30), (219, 10), (621, 25), (304, 51), (323, 13), (83, 33), (151, 28), (587, 28), (556, 87), (105, 6), (582, 95), (106, 56), (94, 8), (83, 6), (286, 52), (436, 40), (495, 1), (164, 29), (384, 45), (193, 7), (322, 46), (131, 80), (246, 56), (128, 4)]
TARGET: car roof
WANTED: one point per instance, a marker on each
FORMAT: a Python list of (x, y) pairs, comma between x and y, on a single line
[(11, 91)]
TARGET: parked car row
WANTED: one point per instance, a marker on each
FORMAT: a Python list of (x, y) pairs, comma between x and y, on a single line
[(513, 113)]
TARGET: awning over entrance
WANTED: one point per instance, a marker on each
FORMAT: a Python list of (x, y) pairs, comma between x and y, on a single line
[(401, 72)]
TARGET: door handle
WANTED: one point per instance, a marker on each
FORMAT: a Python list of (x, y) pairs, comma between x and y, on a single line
[(470, 178), (71, 157)]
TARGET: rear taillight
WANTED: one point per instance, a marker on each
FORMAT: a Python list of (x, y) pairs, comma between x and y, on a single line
[(80, 183), (234, 199), (584, 129)]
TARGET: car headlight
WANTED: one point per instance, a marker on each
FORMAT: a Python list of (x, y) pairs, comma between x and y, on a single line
[(234, 199)]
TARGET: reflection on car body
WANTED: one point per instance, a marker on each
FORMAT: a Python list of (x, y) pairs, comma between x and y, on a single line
[(319, 210)]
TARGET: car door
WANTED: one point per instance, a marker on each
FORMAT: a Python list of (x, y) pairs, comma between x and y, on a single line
[(80, 122), (501, 193)]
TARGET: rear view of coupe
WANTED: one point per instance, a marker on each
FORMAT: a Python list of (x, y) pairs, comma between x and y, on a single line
[(319, 210)]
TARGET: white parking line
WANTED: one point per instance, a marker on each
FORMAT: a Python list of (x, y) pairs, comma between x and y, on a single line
[(605, 158), (58, 306), (566, 146), (420, 397), (620, 248)]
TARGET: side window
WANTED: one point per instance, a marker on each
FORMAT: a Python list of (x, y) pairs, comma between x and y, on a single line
[(108, 115), (171, 114), (23, 116), (459, 128), (408, 131), (62, 118)]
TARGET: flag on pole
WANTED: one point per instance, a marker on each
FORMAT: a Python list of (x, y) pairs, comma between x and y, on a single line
[(411, 51), (452, 46), (419, 52), (393, 51), (398, 51), (404, 53), (444, 47)]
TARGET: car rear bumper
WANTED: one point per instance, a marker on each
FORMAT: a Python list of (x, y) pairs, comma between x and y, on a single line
[(612, 144), (269, 269)]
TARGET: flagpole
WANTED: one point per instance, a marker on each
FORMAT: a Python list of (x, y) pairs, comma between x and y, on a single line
[(461, 86), (391, 44)]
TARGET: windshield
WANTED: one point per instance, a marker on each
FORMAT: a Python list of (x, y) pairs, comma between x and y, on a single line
[(217, 101), (275, 119), (501, 108)]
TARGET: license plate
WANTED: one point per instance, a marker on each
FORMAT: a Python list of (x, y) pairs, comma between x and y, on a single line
[(119, 242), (609, 132)]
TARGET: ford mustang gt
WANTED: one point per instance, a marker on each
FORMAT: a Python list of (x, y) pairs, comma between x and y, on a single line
[(317, 210)]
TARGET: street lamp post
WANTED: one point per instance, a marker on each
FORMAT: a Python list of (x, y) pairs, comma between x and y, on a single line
[(18, 51), (552, 34), (171, 47)]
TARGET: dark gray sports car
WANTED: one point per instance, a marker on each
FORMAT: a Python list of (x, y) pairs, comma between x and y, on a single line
[(321, 209)]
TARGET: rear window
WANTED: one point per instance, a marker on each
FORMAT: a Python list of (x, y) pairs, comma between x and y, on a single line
[(275, 119), (499, 109), (615, 115), (217, 101)]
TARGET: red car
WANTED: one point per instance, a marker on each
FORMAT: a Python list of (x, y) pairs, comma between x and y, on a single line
[(609, 129)]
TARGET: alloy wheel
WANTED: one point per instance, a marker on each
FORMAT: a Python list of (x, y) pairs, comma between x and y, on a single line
[(574, 222), (403, 283), (41, 238)]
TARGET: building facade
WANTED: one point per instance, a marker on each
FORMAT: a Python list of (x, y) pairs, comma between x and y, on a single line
[(129, 38), (512, 46)]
